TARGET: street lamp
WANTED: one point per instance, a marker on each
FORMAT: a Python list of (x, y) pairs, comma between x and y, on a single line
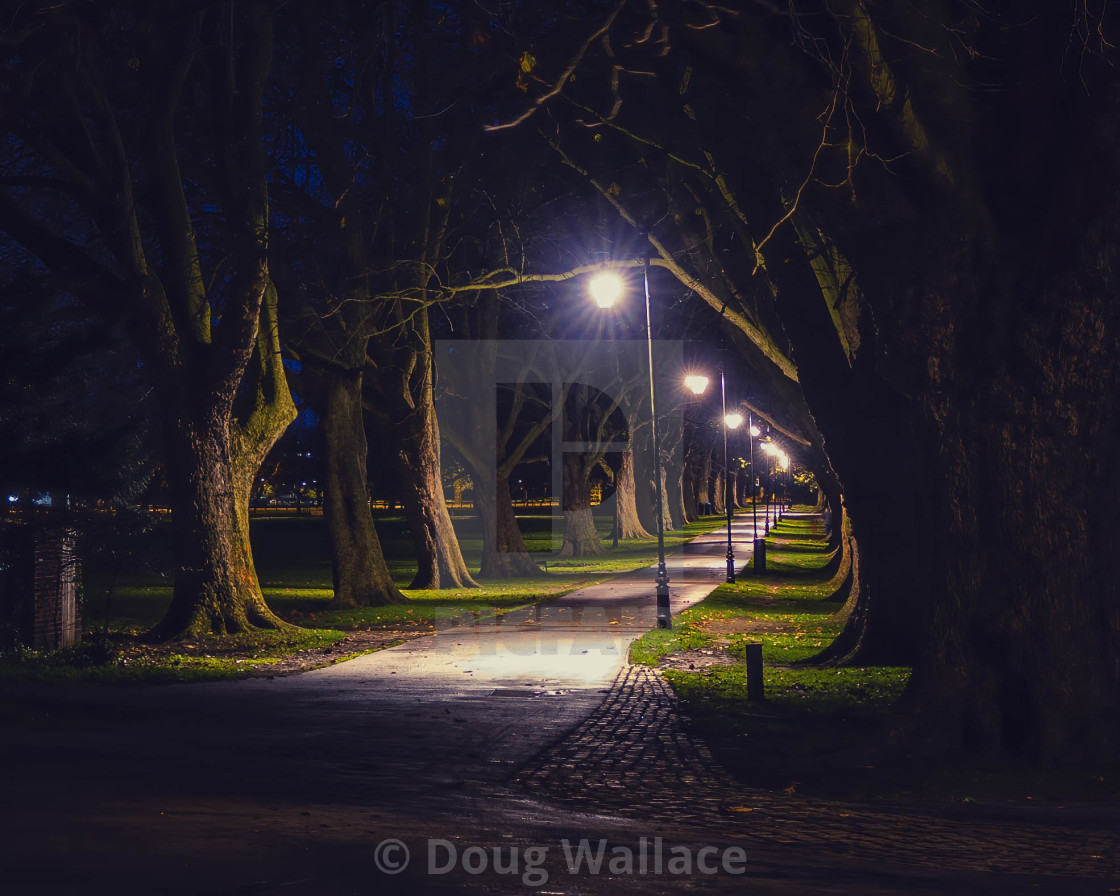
[(730, 421), (783, 466), (755, 432), (697, 384), (605, 288), (769, 449)]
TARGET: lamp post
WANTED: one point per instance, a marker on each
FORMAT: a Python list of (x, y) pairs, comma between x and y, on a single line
[(779, 503), (781, 460), (605, 289), (768, 448), (787, 481), (754, 433), (697, 384)]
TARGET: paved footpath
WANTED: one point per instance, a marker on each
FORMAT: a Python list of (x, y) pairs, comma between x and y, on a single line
[(512, 755)]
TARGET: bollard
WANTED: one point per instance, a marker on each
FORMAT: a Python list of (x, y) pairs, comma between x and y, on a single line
[(754, 672), (760, 555)]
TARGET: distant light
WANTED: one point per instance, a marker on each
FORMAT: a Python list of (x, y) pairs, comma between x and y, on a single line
[(733, 420), (696, 383), (12, 499), (755, 431), (769, 447), (605, 289)]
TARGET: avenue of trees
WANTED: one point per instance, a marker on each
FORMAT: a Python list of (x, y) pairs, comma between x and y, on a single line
[(911, 214), (906, 218)]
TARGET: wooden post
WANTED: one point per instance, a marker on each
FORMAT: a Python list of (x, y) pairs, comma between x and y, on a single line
[(754, 672)]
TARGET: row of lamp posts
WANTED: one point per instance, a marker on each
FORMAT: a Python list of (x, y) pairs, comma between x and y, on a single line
[(605, 288)]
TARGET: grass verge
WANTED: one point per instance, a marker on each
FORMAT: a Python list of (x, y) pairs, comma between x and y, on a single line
[(825, 731), (124, 660)]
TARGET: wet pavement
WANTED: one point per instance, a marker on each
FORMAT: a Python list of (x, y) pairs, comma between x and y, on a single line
[(512, 755)]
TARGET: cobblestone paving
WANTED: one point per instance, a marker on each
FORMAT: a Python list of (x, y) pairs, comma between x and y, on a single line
[(634, 757)]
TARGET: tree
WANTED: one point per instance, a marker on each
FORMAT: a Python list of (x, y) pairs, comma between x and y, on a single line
[(492, 441), (845, 181), (584, 419), (144, 194), (386, 171), (625, 494)]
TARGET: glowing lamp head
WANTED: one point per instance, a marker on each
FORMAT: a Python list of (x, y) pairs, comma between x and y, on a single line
[(783, 461), (605, 289), (733, 420), (768, 447), (755, 432), (696, 383)]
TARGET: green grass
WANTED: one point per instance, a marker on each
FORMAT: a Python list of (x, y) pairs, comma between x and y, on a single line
[(822, 730), (719, 693), (808, 713), (786, 608), (205, 659), (424, 609)]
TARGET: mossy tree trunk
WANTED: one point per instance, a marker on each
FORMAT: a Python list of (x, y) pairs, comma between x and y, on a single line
[(216, 590)]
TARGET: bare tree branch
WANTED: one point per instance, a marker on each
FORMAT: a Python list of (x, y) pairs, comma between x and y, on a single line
[(558, 84)]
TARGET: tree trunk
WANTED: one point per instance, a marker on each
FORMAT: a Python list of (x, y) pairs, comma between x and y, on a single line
[(703, 481), (688, 488), (469, 421), (359, 571), (581, 538), (216, 587), (1024, 656), (869, 429), (439, 560), (645, 495), (846, 645), (629, 524), (504, 556), (674, 495), (717, 488), (214, 447), (670, 520)]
